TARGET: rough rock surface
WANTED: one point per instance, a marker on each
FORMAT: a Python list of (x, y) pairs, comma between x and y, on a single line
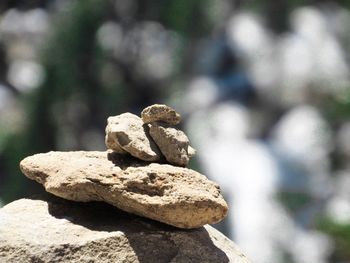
[(126, 133), (49, 229), (160, 112), (172, 142), (177, 196)]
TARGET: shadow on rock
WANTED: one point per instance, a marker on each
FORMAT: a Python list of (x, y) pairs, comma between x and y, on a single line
[(151, 241), (125, 160)]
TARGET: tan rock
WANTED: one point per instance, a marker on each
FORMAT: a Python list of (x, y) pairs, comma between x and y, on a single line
[(176, 196), (160, 112), (54, 230), (126, 133), (112, 142), (172, 142)]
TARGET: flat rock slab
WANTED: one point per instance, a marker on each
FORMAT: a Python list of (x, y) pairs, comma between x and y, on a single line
[(174, 195), (49, 229)]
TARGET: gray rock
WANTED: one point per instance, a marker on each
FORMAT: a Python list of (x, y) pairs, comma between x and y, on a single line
[(172, 142), (126, 133), (160, 112), (176, 196), (53, 230)]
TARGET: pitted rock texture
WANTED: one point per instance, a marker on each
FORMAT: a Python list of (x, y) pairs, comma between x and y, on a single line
[(174, 195), (126, 133), (172, 142), (160, 112), (49, 229)]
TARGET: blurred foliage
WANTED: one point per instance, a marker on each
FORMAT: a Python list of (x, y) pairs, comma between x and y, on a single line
[(341, 237), (294, 201)]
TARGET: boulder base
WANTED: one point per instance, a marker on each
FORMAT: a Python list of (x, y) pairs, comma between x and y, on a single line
[(53, 230)]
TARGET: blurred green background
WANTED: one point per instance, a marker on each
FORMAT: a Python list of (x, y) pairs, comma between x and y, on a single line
[(263, 88)]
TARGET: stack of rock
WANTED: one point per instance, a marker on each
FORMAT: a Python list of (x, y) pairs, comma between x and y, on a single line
[(152, 138), (133, 174), (143, 172)]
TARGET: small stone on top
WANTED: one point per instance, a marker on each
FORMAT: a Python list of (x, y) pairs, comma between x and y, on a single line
[(160, 112)]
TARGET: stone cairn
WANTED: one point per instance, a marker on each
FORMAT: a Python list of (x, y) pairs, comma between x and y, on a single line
[(144, 173)]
